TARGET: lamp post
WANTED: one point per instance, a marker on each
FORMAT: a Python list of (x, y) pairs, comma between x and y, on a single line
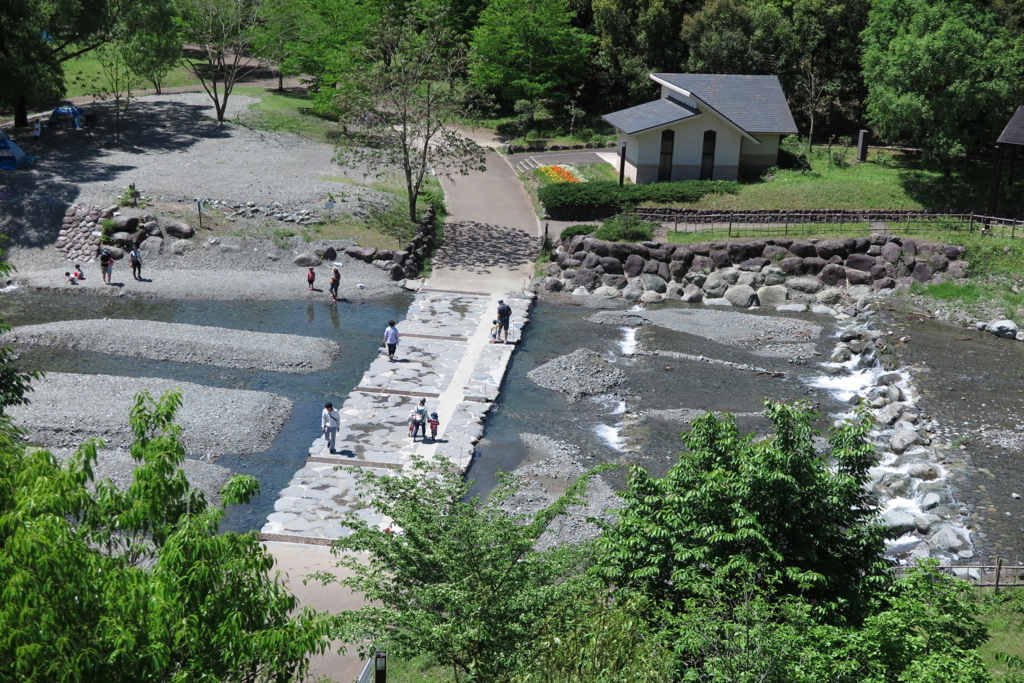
[(622, 163), (380, 667)]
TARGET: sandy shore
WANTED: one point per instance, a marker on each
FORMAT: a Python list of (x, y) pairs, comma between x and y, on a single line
[(183, 344)]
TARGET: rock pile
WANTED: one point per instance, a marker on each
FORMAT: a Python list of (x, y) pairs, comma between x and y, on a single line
[(772, 272), (406, 263), (909, 483), (580, 373), (81, 234)]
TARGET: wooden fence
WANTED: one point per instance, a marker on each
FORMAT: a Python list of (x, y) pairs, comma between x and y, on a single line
[(783, 223)]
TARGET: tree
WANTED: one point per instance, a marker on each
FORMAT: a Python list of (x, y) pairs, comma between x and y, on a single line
[(401, 100), (223, 31), (772, 507), (735, 37), (528, 50), (118, 79), (392, 221), (153, 54), (452, 577), (287, 28), (99, 584), (940, 74)]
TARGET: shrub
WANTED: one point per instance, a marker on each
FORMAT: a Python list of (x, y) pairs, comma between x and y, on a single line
[(573, 230), (606, 194), (624, 228)]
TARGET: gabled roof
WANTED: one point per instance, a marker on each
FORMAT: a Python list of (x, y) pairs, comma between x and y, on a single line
[(1013, 134), (754, 103), (650, 115)]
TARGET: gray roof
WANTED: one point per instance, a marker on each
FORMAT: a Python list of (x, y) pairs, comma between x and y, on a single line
[(754, 103), (650, 115), (1013, 134)]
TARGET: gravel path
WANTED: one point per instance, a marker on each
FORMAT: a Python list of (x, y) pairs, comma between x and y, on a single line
[(67, 408), (580, 373), (183, 343), (119, 466)]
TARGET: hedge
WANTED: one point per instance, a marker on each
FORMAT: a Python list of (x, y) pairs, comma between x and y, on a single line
[(574, 230), (606, 194)]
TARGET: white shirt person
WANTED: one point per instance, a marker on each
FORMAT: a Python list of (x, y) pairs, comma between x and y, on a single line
[(329, 421)]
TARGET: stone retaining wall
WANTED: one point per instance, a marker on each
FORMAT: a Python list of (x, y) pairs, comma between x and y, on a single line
[(406, 263), (757, 272)]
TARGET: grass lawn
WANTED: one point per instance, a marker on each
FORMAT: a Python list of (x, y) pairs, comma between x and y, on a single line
[(84, 77), (1003, 614), (286, 112), (886, 181)]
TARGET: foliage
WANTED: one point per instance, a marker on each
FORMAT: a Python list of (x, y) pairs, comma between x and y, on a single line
[(391, 221), (573, 230), (557, 174), (773, 507), (287, 29), (119, 79), (453, 578), (608, 194), (154, 54), (400, 100), (625, 228), (528, 50), (941, 74), (102, 584)]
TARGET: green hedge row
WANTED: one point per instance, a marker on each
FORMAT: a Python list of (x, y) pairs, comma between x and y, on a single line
[(606, 194)]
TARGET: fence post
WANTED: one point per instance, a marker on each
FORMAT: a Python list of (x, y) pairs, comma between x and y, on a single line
[(999, 569), (675, 228), (842, 220), (730, 222)]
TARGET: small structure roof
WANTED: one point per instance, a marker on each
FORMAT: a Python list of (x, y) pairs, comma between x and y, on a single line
[(650, 115), (1013, 134), (754, 103)]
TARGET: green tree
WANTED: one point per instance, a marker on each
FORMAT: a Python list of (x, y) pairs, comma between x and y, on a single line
[(400, 100), (528, 50), (287, 30), (735, 37), (452, 577), (941, 74), (99, 584), (154, 54), (117, 79), (774, 507)]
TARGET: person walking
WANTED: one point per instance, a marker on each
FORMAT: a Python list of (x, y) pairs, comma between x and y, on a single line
[(504, 318), (434, 423), (135, 259), (106, 265), (419, 423), (329, 421), (37, 131), (391, 339), (310, 278), (334, 282)]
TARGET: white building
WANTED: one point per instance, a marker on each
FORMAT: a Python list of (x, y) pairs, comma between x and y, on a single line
[(706, 126)]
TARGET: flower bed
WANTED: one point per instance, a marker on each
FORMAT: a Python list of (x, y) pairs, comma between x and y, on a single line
[(557, 174)]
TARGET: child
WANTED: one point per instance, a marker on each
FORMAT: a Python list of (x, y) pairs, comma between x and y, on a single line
[(411, 420), (495, 328), (72, 280), (79, 273), (310, 278), (433, 422)]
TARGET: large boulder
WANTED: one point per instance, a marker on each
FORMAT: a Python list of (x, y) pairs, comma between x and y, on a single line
[(858, 277), (591, 261), (701, 264), (152, 246), (587, 278), (814, 265), (721, 258), (617, 281), (619, 251), (891, 252), (826, 249), (125, 223), (612, 266), (633, 266), (677, 270), (833, 275), (307, 260), (692, 294), (861, 262), (396, 272), (922, 271), (653, 283), (152, 229), (957, 269), (650, 297), (361, 253), (181, 231), (947, 540), (123, 238), (715, 286), (902, 439), (773, 276), (773, 251), (1007, 329), (803, 249), (743, 296), (939, 262), (884, 283), (772, 295), (805, 285), (899, 522), (793, 266), (730, 275), (608, 292), (651, 266), (553, 284), (633, 291), (830, 296)]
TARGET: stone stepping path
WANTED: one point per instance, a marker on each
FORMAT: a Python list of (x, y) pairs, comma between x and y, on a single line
[(445, 356)]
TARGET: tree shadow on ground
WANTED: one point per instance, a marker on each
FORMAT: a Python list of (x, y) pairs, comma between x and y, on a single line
[(963, 190), (483, 248)]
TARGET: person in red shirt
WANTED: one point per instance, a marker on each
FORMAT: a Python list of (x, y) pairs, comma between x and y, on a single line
[(310, 278)]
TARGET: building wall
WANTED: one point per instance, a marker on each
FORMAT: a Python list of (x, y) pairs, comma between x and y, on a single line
[(756, 159), (643, 151)]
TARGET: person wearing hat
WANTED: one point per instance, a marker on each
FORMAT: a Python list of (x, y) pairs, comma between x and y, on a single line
[(504, 317), (329, 421), (106, 265)]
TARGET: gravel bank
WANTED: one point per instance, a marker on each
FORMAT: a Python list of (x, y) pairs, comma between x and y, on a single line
[(183, 343), (548, 478), (580, 373), (119, 466), (67, 408)]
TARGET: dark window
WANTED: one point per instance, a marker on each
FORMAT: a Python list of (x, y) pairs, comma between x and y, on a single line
[(668, 140), (707, 158)]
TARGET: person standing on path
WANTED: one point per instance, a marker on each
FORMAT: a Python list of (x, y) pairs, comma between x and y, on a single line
[(329, 421), (106, 265), (391, 339), (334, 282), (135, 259), (504, 318), (420, 420), (37, 131), (310, 278)]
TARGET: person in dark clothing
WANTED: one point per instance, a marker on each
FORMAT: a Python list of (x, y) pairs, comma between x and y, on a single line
[(504, 318), (106, 265), (135, 259)]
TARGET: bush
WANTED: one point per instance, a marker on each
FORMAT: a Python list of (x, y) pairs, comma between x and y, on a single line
[(574, 230), (624, 228), (606, 194)]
